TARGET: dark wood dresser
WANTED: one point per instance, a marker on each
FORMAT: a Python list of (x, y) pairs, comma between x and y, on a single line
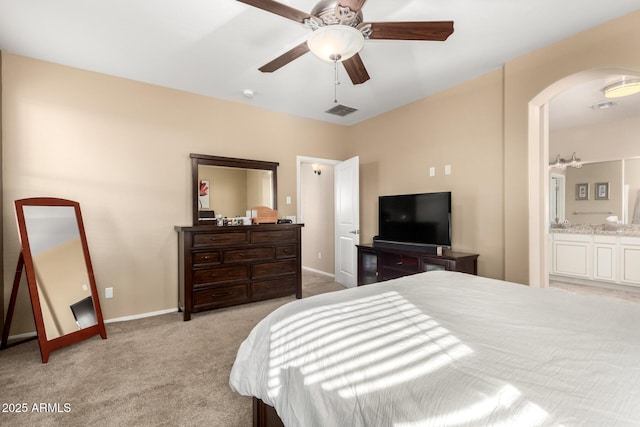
[(224, 266)]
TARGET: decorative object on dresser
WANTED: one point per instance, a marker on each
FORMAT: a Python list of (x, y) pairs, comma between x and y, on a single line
[(224, 266), (377, 264)]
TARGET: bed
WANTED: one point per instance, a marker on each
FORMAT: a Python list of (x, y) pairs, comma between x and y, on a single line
[(446, 349)]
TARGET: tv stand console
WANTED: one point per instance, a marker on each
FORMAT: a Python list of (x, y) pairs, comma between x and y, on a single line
[(377, 263)]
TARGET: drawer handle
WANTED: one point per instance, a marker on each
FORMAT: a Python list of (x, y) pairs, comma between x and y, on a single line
[(207, 258), (221, 294), (286, 251)]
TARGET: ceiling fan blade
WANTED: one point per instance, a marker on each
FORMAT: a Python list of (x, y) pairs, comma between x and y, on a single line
[(285, 58), (356, 69), (354, 5), (436, 30), (278, 9)]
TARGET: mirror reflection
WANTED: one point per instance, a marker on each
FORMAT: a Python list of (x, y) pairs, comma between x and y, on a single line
[(596, 191), (231, 191), (60, 269), (229, 187)]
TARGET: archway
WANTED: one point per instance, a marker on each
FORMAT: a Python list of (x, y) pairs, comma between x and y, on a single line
[(538, 155)]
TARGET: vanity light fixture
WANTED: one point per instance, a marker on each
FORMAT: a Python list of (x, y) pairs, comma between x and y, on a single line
[(561, 163), (624, 87)]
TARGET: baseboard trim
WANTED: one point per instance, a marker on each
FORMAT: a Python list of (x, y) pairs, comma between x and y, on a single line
[(141, 316), (324, 273), (117, 319)]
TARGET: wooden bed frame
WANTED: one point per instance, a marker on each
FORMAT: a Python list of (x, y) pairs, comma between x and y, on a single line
[(265, 415)]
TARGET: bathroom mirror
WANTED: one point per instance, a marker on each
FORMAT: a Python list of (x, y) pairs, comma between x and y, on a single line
[(622, 179), (62, 287), (229, 186)]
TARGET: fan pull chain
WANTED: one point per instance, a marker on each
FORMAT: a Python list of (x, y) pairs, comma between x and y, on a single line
[(336, 82)]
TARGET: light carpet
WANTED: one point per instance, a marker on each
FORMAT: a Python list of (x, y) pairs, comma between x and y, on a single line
[(156, 371)]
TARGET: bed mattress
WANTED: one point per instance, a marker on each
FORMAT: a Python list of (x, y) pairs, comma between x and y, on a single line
[(446, 349)]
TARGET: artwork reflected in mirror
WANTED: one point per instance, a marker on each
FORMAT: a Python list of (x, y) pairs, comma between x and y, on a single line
[(59, 274)]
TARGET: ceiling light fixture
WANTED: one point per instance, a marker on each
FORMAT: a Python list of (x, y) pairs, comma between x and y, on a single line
[(561, 163), (603, 105), (335, 42), (622, 88)]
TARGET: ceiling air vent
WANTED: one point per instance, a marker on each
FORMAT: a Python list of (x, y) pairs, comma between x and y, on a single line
[(341, 110)]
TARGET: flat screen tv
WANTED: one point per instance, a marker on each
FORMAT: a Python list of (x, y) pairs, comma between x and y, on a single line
[(419, 219)]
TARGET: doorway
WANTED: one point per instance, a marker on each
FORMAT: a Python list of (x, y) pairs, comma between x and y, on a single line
[(328, 205), (539, 179)]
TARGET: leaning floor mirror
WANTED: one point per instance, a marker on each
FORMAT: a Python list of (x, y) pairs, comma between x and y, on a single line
[(62, 287)]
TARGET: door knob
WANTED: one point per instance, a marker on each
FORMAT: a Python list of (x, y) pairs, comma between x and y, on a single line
[(355, 232)]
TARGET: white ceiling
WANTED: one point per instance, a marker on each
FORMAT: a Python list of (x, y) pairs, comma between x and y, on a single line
[(214, 47)]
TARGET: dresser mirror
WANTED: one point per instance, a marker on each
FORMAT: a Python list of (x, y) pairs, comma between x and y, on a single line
[(229, 187), (62, 287)]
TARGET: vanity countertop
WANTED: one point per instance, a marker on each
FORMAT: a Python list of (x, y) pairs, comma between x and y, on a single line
[(602, 229)]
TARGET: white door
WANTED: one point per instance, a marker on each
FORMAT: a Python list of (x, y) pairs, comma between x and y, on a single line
[(347, 220)]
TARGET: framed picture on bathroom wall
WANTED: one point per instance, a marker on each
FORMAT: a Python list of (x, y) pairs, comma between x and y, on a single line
[(602, 191), (582, 191)]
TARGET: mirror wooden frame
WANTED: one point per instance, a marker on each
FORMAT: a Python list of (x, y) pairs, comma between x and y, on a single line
[(25, 261), (230, 162)]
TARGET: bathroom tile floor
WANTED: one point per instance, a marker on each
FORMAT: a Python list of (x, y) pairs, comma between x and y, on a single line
[(630, 295)]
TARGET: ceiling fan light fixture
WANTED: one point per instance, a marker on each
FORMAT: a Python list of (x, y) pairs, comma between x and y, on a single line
[(335, 42), (622, 88)]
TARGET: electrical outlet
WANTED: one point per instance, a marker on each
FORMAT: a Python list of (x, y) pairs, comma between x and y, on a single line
[(108, 292), (319, 255)]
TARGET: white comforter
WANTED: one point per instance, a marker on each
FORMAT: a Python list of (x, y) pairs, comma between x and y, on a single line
[(446, 349)]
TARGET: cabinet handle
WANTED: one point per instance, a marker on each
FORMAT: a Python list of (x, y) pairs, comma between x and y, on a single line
[(207, 258), (221, 294)]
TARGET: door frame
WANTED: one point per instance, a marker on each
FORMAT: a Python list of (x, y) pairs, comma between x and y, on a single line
[(538, 159)]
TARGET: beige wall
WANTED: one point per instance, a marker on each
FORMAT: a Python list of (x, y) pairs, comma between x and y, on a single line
[(121, 149), (461, 127), (317, 211)]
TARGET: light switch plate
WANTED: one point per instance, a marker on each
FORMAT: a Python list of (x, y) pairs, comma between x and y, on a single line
[(432, 171), (447, 170)]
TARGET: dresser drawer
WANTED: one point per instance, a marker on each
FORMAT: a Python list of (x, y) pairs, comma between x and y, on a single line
[(206, 258), (400, 262), (286, 251), (264, 289), (222, 296), (270, 269), (248, 254), (221, 274), (273, 236), (214, 239)]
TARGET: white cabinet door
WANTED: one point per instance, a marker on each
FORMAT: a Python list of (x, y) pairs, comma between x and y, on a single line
[(605, 256), (604, 265), (630, 262), (572, 258)]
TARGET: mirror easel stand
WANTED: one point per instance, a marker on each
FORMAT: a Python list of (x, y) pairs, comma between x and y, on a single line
[(12, 305), (36, 210)]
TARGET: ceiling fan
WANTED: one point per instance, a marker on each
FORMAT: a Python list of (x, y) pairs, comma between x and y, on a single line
[(339, 33)]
